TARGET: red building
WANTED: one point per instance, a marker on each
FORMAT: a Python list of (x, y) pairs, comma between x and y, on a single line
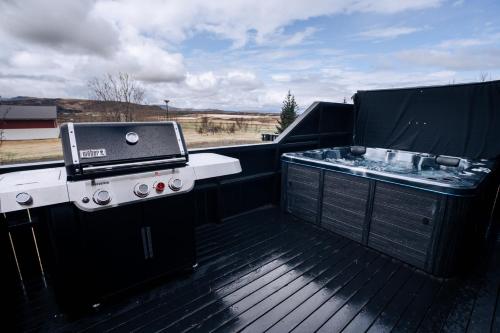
[(27, 122)]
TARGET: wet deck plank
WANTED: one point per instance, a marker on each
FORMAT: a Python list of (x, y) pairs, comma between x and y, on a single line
[(266, 272)]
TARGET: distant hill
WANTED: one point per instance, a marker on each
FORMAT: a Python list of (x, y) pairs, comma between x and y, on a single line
[(17, 98), (68, 106), (190, 110)]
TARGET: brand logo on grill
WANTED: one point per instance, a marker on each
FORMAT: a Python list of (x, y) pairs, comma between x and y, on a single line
[(92, 153), (95, 183)]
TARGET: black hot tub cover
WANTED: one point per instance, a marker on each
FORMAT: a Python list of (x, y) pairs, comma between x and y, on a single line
[(458, 120)]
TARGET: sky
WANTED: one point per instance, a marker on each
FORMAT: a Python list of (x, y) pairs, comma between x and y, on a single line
[(245, 55)]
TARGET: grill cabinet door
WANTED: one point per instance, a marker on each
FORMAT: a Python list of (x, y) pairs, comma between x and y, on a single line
[(170, 233), (97, 253)]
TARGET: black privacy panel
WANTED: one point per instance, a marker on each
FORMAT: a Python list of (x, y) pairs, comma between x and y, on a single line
[(457, 120), (155, 140)]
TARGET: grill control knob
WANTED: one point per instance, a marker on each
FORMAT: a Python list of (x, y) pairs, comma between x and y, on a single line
[(102, 197), (141, 190), (24, 198), (175, 184), (159, 186)]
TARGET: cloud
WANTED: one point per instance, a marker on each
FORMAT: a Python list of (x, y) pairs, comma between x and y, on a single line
[(442, 75), (206, 81), (39, 86), (390, 6), (49, 78), (349, 81), (491, 38), (240, 21), (244, 79), (388, 32), (461, 43), (300, 36), (201, 82), (52, 48), (281, 77), (69, 26), (462, 54), (233, 89), (150, 63), (469, 59), (26, 59)]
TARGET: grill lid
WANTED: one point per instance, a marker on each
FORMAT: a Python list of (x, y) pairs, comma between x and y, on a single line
[(91, 148)]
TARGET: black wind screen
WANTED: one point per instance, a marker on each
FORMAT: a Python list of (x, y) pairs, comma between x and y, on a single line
[(458, 120)]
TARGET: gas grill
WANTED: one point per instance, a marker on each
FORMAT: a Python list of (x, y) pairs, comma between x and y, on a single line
[(112, 209), (112, 164)]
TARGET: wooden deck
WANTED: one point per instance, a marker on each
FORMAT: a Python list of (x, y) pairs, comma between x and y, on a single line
[(265, 272)]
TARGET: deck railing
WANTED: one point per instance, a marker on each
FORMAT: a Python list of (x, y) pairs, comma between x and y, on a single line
[(323, 124)]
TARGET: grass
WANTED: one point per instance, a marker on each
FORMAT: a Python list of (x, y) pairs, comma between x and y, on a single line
[(50, 149)]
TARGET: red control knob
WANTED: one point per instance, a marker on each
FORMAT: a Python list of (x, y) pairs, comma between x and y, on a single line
[(159, 186)]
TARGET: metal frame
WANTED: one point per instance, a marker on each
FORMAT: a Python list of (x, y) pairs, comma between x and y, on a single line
[(72, 142)]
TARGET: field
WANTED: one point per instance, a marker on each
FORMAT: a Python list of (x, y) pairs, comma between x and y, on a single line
[(200, 130)]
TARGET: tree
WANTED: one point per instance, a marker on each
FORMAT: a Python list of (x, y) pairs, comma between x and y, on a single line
[(484, 76), (288, 112), (117, 94)]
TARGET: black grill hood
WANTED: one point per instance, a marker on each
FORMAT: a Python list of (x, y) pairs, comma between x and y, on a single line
[(95, 149)]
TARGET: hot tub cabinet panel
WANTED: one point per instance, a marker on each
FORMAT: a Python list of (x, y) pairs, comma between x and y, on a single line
[(407, 199), (344, 204), (402, 222), (303, 207), (419, 226), (302, 193)]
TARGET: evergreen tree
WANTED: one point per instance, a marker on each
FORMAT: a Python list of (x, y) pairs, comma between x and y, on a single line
[(288, 112)]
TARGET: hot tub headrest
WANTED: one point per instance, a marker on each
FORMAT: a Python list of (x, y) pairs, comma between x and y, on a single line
[(316, 154), (448, 161), (358, 150)]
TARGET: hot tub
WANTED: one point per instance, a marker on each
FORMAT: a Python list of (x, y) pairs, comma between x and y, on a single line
[(417, 207)]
